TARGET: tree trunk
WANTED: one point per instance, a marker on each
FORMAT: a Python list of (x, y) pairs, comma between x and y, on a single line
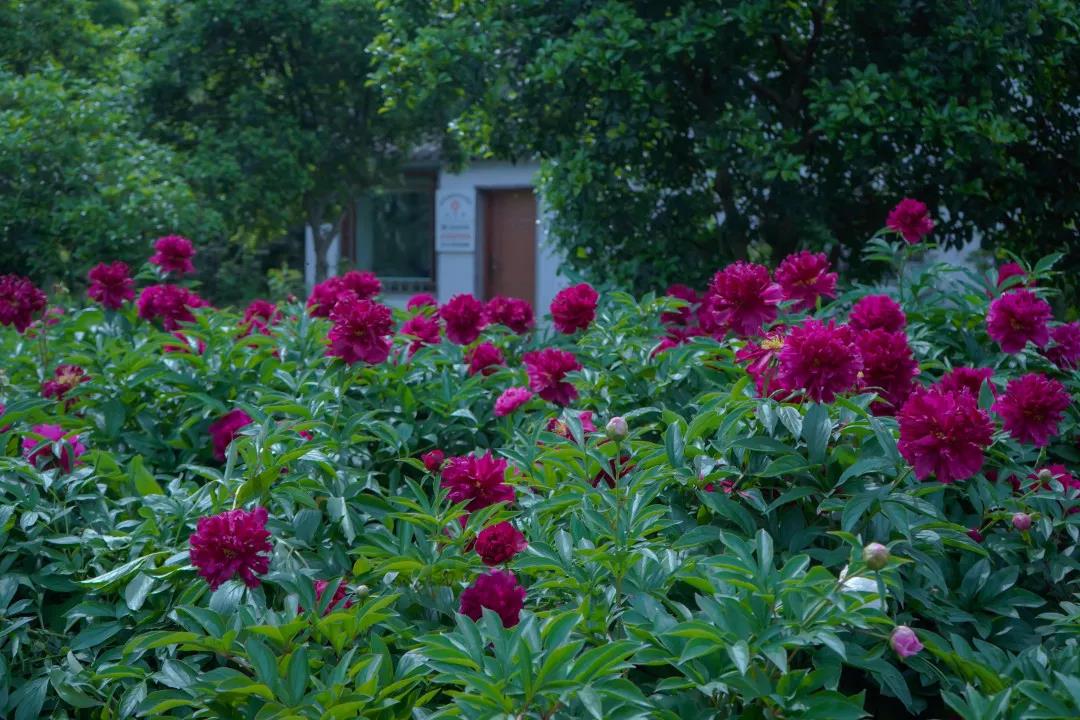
[(322, 240)]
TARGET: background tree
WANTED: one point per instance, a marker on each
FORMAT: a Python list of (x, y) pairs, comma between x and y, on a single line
[(677, 135), (271, 102)]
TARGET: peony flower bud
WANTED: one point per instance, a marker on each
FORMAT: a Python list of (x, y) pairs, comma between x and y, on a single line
[(1021, 521), (617, 429), (875, 555), (1045, 475), (905, 642)]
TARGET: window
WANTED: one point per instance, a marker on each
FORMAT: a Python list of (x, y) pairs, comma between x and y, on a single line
[(395, 235)]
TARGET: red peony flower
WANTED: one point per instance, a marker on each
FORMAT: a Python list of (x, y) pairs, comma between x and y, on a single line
[(1065, 352), (889, 367), (230, 543), (943, 433), (821, 359), (761, 360), (1032, 407), (557, 426), (111, 285), (464, 317), (574, 308), (421, 300), (363, 284), (804, 277), (511, 399), (65, 379), (514, 313), (874, 312), (484, 358), (911, 219), (43, 452), (478, 480), (423, 329), (361, 331), (324, 296), (965, 379), (335, 600), (1009, 270), (547, 371), (499, 543), (682, 316), (172, 303), (260, 315), (225, 429), (1016, 317), (741, 298), (433, 459), (19, 301), (498, 591), (173, 253)]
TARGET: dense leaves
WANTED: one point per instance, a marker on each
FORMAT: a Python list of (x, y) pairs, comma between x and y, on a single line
[(383, 544)]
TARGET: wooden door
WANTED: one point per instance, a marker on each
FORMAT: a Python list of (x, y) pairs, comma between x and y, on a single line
[(510, 242)]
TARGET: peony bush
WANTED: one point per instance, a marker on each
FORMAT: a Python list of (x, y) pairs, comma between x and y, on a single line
[(773, 497)]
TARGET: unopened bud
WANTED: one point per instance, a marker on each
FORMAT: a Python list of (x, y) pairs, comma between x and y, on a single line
[(875, 555), (362, 591), (1021, 521), (1045, 475), (617, 429)]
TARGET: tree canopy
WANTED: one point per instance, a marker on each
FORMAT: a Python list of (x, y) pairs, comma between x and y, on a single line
[(676, 135)]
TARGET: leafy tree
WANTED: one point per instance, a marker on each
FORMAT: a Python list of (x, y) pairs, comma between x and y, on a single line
[(677, 135), (79, 182), (271, 101)]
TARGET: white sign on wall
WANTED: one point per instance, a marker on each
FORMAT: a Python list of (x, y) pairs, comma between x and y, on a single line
[(455, 224)]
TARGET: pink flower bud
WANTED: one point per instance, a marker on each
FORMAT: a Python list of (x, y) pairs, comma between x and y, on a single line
[(617, 429), (1021, 521), (905, 642), (875, 555)]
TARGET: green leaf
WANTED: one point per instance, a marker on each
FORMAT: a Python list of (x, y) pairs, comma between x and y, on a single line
[(136, 591)]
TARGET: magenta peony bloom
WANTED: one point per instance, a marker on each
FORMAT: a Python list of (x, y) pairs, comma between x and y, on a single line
[(464, 317), (477, 479), (19, 301), (682, 316), (433, 459), (111, 285), (173, 253), (324, 296), (421, 300), (874, 312), (965, 379), (911, 219), (484, 358), (741, 298), (547, 371), (944, 434), (889, 367), (1009, 270), (45, 455), (65, 379), (821, 359), (172, 303), (905, 642), (423, 329), (363, 284), (514, 313), (804, 277), (260, 315), (225, 429), (1065, 352), (361, 331), (511, 399), (335, 600), (557, 426), (498, 590), (761, 360), (1016, 317), (499, 543), (230, 543), (574, 308), (1032, 407)]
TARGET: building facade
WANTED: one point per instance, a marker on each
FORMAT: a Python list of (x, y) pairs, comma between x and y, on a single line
[(479, 231)]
